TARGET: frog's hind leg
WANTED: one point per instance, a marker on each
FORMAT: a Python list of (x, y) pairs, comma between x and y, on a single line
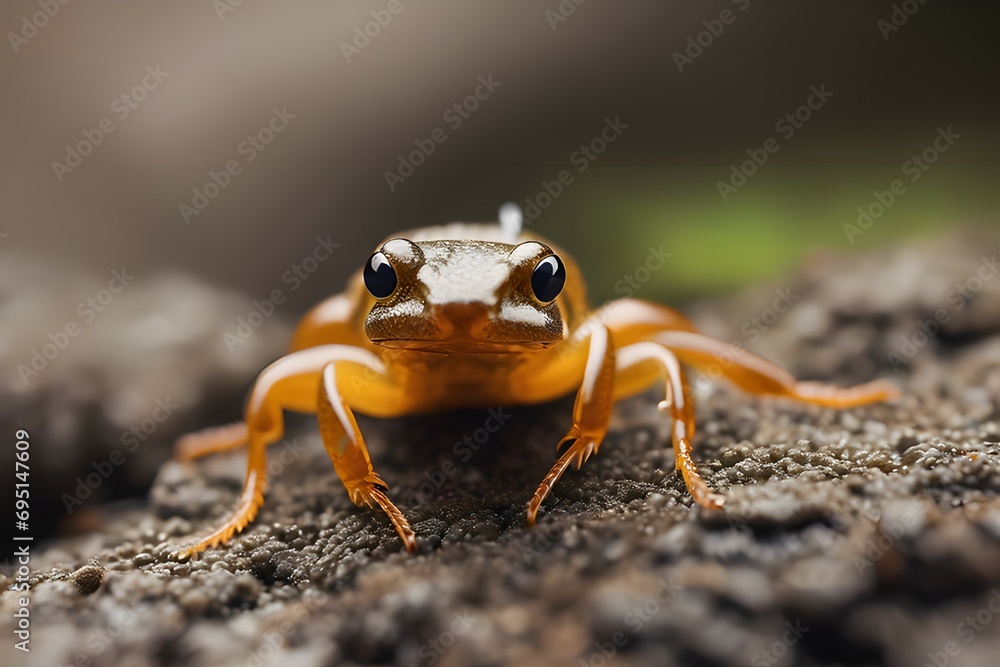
[(756, 375), (634, 321), (637, 364), (211, 441)]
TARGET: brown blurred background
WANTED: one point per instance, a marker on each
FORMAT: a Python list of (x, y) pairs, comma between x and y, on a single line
[(324, 174)]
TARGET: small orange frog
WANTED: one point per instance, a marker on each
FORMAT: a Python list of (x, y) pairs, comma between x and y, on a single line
[(470, 315)]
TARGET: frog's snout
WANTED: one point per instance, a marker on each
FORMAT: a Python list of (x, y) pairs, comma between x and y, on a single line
[(462, 320)]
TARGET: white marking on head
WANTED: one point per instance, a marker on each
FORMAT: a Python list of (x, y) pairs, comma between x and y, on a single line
[(463, 275), (523, 313), (403, 248)]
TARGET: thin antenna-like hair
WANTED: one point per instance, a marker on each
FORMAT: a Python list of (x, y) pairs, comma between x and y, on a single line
[(511, 221)]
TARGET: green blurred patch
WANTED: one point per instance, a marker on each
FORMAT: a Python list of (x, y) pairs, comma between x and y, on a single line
[(768, 227)]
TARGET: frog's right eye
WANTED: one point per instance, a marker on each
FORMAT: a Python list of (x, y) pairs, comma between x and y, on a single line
[(548, 278), (380, 277)]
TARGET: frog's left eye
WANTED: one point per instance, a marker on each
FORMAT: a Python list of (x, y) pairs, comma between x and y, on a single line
[(548, 278), (380, 277)]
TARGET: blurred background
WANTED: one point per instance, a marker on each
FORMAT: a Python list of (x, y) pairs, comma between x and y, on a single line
[(205, 147), (229, 64)]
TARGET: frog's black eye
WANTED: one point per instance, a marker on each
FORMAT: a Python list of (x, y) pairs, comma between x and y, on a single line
[(380, 277), (548, 278)]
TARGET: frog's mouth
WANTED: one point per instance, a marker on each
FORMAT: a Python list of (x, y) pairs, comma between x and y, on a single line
[(468, 346), (467, 329)]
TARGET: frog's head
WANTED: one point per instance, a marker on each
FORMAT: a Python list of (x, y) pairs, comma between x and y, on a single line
[(465, 296)]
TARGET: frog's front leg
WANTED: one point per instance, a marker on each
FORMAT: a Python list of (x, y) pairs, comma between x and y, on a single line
[(346, 446), (291, 383), (605, 373), (592, 409)]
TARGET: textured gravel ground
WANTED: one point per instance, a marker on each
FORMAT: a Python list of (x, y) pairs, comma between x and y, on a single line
[(864, 537), (146, 365)]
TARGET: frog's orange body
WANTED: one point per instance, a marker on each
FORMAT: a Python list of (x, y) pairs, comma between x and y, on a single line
[(471, 315)]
